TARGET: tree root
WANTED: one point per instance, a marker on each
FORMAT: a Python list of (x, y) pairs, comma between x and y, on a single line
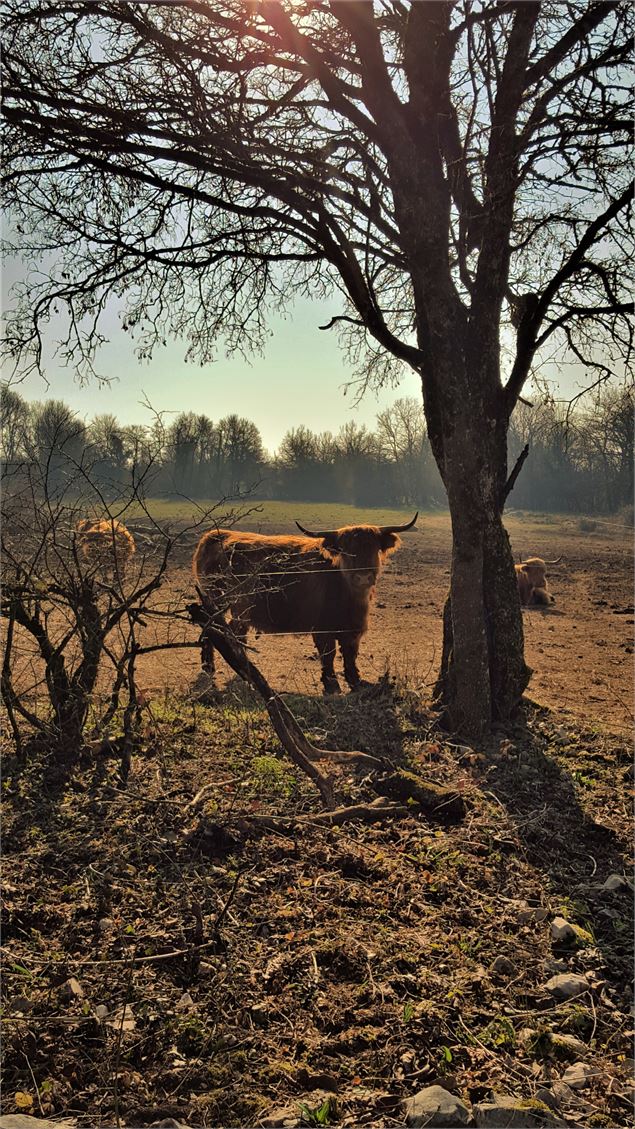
[(432, 799)]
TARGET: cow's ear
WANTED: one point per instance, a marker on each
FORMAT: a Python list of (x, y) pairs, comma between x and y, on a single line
[(388, 542)]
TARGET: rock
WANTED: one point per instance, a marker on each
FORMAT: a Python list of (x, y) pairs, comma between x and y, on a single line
[(514, 1113), (25, 1121), (616, 883), (122, 1020), (528, 914), (556, 966), (101, 1012), (71, 990), (567, 985), (503, 966), (561, 930), (564, 933), (547, 1098), (285, 1118), (104, 924), (568, 1046), (435, 1106), (561, 1092), (577, 1076), (546, 1043)]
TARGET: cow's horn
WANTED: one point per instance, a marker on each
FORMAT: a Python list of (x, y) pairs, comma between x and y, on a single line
[(400, 528), (557, 560), (321, 533)]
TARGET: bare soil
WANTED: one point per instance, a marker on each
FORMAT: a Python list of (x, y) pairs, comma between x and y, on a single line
[(581, 650), (168, 961)]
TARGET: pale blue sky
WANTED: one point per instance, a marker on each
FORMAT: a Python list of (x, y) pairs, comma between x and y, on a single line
[(300, 379)]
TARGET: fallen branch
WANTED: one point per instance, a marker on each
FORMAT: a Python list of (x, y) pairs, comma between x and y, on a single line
[(430, 799), (287, 729), (376, 811)]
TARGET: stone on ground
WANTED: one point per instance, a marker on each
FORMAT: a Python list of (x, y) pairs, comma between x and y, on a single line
[(567, 985), (577, 1076), (514, 1113), (435, 1106)]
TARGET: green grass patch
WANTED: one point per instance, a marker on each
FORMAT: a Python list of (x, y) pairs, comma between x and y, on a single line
[(252, 514)]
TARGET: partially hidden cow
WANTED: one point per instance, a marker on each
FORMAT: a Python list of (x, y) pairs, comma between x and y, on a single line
[(320, 584), (531, 576), (104, 544)]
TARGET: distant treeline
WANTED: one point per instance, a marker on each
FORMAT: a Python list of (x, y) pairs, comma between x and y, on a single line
[(579, 461)]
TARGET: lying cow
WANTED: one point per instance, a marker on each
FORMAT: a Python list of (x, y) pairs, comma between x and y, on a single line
[(320, 584), (531, 576), (104, 544)]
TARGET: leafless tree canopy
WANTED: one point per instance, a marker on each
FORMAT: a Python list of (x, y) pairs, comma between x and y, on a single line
[(203, 161)]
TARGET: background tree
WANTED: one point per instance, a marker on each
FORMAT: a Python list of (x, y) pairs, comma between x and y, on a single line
[(14, 425), (402, 437), (240, 456), (606, 438), (182, 439), (300, 466), (109, 449), (453, 168), (58, 444)]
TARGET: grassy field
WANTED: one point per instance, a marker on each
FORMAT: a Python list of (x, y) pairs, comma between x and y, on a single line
[(333, 515), (323, 515)]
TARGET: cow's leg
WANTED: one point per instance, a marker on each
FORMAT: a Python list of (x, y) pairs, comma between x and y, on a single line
[(542, 597), (349, 646), (326, 649), (207, 654)]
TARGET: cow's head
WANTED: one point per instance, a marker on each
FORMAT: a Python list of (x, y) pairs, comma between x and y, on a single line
[(359, 550), (535, 570)]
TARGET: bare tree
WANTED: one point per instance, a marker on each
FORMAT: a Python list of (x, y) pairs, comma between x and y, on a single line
[(457, 171), (402, 436), (14, 425), (74, 606)]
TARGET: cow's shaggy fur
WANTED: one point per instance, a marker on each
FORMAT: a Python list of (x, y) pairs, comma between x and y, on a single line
[(104, 544), (319, 586), (531, 576)]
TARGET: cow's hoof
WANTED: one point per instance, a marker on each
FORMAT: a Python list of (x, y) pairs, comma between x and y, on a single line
[(331, 686), (204, 689), (361, 685)]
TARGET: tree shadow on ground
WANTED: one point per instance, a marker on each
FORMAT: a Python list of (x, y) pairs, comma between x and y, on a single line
[(367, 720), (575, 850)]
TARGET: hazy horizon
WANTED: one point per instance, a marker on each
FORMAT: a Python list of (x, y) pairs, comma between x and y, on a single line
[(301, 378)]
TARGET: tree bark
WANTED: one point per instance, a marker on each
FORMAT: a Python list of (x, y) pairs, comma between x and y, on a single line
[(483, 672)]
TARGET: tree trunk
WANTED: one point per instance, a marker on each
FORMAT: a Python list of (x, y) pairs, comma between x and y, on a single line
[(483, 672)]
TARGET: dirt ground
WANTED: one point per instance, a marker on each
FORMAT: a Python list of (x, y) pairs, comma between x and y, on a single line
[(193, 941), (581, 650)]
